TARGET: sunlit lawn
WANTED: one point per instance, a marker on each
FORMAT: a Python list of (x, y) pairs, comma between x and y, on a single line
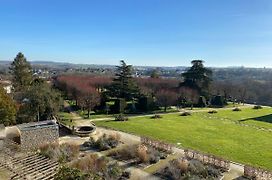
[(218, 134), (65, 118)]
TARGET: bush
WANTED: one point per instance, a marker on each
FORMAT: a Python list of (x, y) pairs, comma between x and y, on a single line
[(156, 116), (69, 151), (103, 143), (67, 173), (218, 101), (121, 117), (257, 107), (154, 155), (126, 153), (183, 165), (62, 153), (189, 169), (98, 167), (202, 102), (236, 109), (89, 163), (142, 153), (50, 150), (185, 114), (212, 111)]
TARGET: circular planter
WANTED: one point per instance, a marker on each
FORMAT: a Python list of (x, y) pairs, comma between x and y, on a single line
[(85, 131)]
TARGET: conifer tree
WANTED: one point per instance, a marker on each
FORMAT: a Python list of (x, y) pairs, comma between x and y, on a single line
[(123, 85), (197, 77), (21, 73)]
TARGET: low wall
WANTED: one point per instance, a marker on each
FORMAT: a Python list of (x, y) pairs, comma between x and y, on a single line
[(32, 138)]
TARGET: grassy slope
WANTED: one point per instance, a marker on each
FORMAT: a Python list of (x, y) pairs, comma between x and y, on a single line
[(210, 133)]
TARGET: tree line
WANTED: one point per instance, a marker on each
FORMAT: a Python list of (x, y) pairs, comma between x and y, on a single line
[(35, 99), (134, 94)]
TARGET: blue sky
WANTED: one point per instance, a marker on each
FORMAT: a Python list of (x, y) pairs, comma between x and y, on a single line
[(143, 32)]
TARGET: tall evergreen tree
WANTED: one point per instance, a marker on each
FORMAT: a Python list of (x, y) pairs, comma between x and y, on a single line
[(197, 77), (123, 85), (22, 73)]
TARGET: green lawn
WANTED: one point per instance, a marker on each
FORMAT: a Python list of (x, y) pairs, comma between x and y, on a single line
[(66, 118), (218, 134)]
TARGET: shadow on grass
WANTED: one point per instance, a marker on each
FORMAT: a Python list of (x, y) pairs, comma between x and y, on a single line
[(266, 118)]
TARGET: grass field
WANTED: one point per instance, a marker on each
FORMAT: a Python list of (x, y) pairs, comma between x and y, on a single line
[(66, 118), (219, 134)]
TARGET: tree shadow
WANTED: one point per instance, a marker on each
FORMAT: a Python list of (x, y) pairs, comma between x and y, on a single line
[(266, 118)]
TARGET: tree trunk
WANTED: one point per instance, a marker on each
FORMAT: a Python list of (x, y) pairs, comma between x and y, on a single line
[(165, 108), (88, 113)]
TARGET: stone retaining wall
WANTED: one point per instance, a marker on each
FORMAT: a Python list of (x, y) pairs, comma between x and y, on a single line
[(34, 137)]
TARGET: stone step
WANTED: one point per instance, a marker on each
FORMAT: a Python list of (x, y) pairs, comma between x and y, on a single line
[(36, 169), (43, 167)]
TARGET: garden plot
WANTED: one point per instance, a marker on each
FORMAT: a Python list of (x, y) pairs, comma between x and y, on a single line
[(185, 168), (140, 156)]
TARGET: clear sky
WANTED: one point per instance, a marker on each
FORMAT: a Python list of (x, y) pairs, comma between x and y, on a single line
[(143, 32)]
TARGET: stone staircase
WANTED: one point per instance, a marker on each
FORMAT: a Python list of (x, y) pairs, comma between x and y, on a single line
[(26, 166)]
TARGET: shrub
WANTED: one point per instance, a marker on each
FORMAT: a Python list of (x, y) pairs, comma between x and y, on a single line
[(154, 155), (90, 163), (185, 114), (121, 117), (183, 165), (142, 153), (69, 151), (50, 150), (66, 173), (218, 101), (202, 102), (212, 111), (126, 153), (156, 116), (98, 167), (103, 143), (257, 107), (63, 153), (114, 171), (189, 169), (115, 136), (236, 109), (196, 167)]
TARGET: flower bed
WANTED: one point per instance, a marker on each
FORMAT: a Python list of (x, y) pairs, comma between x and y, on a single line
[(141, 155), (103, 143), (62, 153), (91, 167), (185, 168)]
